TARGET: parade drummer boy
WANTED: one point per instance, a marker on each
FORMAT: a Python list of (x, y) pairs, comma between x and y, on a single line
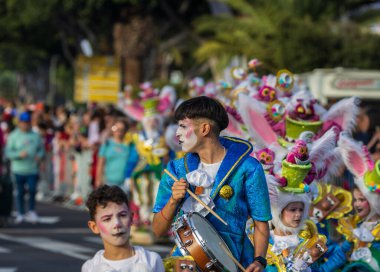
[(224, 175)]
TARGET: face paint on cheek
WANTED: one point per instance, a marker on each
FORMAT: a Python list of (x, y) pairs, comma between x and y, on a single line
[(189, 132), (103, 228), (190, 140)]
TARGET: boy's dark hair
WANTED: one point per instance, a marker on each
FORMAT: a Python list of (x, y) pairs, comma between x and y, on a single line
[(203, 107), (103, 195)]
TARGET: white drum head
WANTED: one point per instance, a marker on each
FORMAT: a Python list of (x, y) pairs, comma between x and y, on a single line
[(206, 233)]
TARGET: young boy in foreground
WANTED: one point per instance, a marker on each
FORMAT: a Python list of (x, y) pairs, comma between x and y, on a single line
[(111, 218)]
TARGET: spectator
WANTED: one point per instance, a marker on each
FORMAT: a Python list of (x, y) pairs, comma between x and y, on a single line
[(113, 156), (25, 150), (368, 130)]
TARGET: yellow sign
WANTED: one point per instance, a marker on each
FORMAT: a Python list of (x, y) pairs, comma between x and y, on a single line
[(97, 79)]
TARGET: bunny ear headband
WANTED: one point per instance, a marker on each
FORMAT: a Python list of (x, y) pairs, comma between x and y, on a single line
[(367, 173)]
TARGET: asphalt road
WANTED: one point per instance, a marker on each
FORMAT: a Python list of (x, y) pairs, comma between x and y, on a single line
[(60, 241)]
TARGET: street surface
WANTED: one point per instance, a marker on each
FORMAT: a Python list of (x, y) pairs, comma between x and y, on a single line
[(60, 241)]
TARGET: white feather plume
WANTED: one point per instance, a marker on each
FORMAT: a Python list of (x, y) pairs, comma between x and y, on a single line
[(322, 148), (344, 113)]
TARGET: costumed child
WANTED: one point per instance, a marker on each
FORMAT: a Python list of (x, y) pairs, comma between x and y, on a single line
[(362, 229), (295, 243), (152, 150)]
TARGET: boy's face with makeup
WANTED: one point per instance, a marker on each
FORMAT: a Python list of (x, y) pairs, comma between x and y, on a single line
[(186, 134), (113, 224)]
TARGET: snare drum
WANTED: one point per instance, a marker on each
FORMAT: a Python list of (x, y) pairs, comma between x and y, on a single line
[(196, 237)]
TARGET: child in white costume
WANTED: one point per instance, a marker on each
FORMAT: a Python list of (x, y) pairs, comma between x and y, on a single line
[(111, 219)]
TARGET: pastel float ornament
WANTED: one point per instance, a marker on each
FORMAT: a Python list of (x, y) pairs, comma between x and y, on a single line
[(321, 150), (296, 167), (266, 94), (329, 202), (372, 179), (196, 87), (313, 246), (150, 107), (302, 115), (285, 81), (307, 162), (294, 128), (275, 112), (253, 64), (135, 108), (266, 157), (238, 73)]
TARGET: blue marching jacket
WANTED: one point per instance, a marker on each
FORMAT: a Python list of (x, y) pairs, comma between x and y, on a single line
[(245, 176)]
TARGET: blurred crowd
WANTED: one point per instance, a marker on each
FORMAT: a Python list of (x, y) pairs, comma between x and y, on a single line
[(71, 142)]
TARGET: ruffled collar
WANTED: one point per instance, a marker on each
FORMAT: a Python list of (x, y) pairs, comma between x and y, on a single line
[(237, 151)]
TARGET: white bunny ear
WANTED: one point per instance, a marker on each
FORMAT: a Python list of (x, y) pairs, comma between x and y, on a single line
[(333, 164), (168, 91), (343, 113), (323, 146), (272, 184), (253, 113), (167, 99), (234, 128), (134, 111), (353, 155)]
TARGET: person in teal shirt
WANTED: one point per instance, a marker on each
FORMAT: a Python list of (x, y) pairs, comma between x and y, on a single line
[(114, 156), (25, 150)]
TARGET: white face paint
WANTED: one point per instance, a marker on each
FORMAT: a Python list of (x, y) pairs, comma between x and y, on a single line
[(185, 134), (114, 223)]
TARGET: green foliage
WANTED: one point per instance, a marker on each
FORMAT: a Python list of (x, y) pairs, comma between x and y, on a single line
[(296, 34), (8, 84), (65, 81)]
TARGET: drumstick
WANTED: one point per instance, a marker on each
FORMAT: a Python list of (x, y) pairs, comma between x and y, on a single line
[(198, 199), (231, 256)]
